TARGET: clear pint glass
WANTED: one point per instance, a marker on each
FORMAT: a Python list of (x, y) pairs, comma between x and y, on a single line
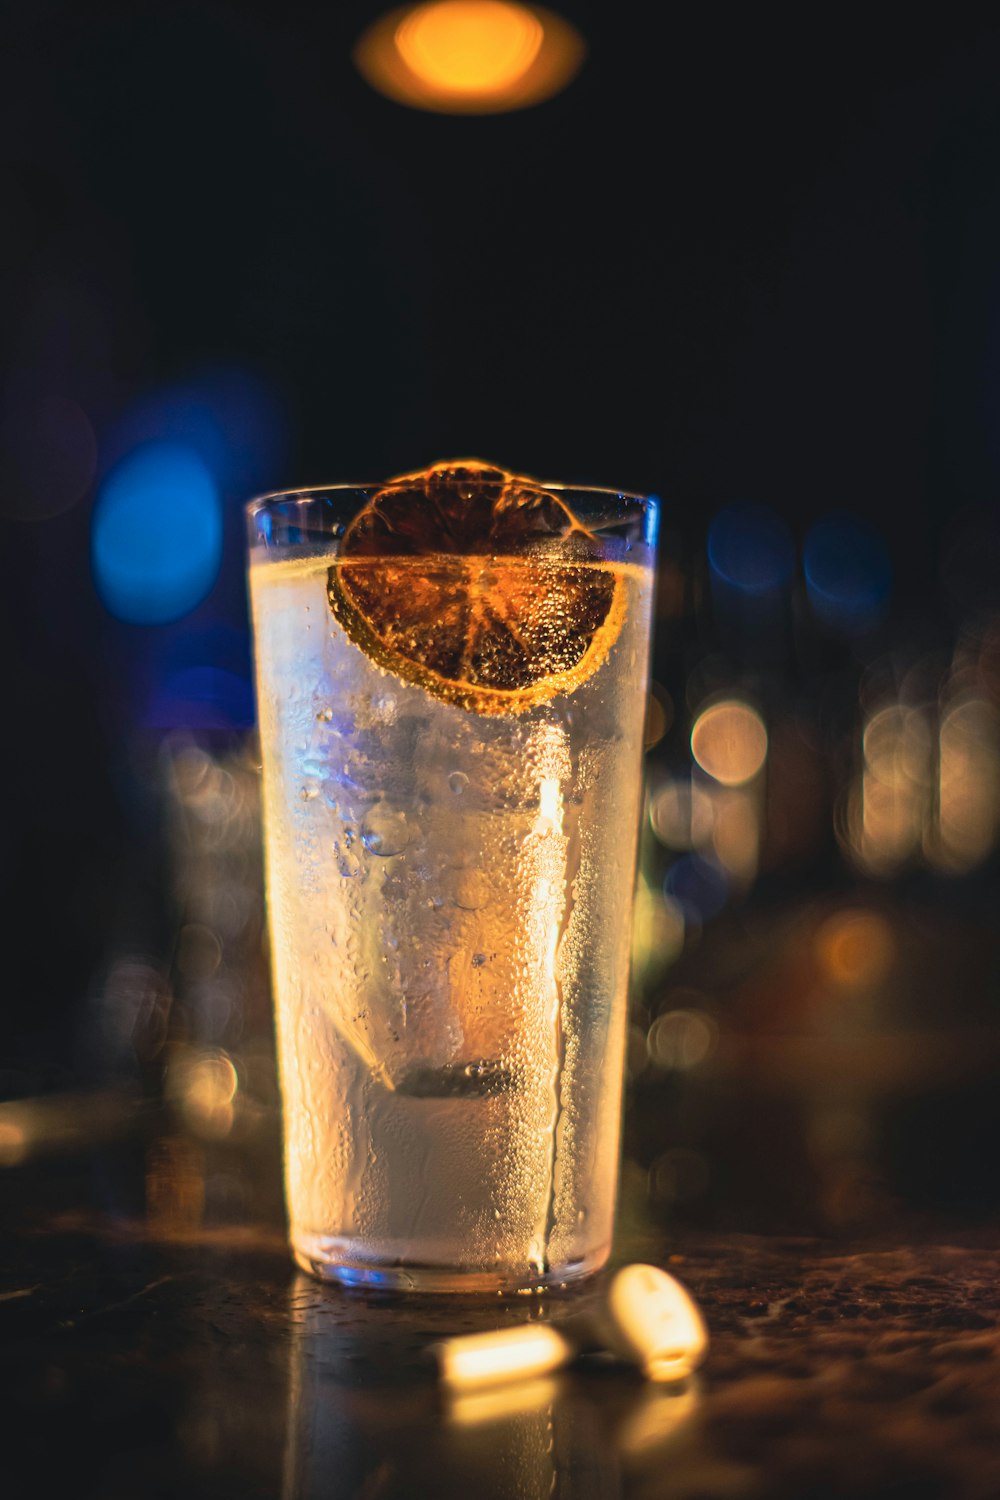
[(451, 684)]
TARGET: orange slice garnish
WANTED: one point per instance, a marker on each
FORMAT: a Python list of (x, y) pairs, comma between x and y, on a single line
[(477, 585)]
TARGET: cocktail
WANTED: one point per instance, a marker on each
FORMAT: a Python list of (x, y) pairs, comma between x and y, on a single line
[(451, 681)]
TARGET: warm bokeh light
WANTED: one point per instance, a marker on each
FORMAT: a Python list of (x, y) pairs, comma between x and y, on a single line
[(469, 46), (657, 930), (204, 1087), (729, 742), (60, 1124), (681, 1039), (855, 948), (659, 715), (681, 813), (889, 807), (968, 810), (469, 56), (13, 1145), (736, 832)]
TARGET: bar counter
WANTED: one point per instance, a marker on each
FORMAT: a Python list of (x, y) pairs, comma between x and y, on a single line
[(140, 1358)]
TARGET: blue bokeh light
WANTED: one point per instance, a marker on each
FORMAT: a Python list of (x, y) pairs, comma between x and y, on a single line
[(750, 549), (848, 574), (699, 886), (156, 543)]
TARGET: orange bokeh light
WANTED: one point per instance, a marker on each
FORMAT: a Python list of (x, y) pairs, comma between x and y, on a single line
[(855, 948), (469, 56), (469, 46), (729, 742)]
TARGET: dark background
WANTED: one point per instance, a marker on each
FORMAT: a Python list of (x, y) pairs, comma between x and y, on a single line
[(746, 256)]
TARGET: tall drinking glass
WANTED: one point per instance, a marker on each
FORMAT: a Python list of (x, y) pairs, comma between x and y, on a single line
[(451, 684)]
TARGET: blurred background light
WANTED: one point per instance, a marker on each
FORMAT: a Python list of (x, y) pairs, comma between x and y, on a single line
[(469, 56), (156, 543), (848, 575), (231, 416), (48, 457), (469, 46), (659, 715), (736, 831), (681, 814), (855, 948), (889, 806), (729, 742), (968, 791), (750, 549), (681, 1039), (202, 1086), (700, 887), (657, 930)]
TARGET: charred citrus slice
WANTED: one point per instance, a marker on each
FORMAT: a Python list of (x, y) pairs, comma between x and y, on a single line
[(478, 585)]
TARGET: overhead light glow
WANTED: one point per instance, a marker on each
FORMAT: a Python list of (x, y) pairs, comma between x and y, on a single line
[(469, 56), (469, 46)]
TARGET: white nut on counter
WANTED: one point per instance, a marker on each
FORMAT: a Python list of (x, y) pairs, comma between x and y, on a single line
[(651, 1320), (485, 1359), (646, 1318)]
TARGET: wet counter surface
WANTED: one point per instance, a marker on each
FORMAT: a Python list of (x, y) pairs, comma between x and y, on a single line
[(142, 1362)]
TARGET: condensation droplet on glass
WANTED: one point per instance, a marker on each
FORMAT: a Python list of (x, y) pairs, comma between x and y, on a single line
[(385, 832), (458, 781), (472, 890)]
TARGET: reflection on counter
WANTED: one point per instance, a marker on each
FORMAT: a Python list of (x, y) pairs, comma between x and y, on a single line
[(356, 1423)]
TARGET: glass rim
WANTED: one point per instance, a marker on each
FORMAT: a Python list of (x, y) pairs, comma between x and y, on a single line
[(307, 492)]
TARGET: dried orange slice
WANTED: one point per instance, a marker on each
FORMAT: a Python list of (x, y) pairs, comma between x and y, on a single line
[(478, 585)]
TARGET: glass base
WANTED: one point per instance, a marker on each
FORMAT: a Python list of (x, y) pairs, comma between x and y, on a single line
[(335, 1260)]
